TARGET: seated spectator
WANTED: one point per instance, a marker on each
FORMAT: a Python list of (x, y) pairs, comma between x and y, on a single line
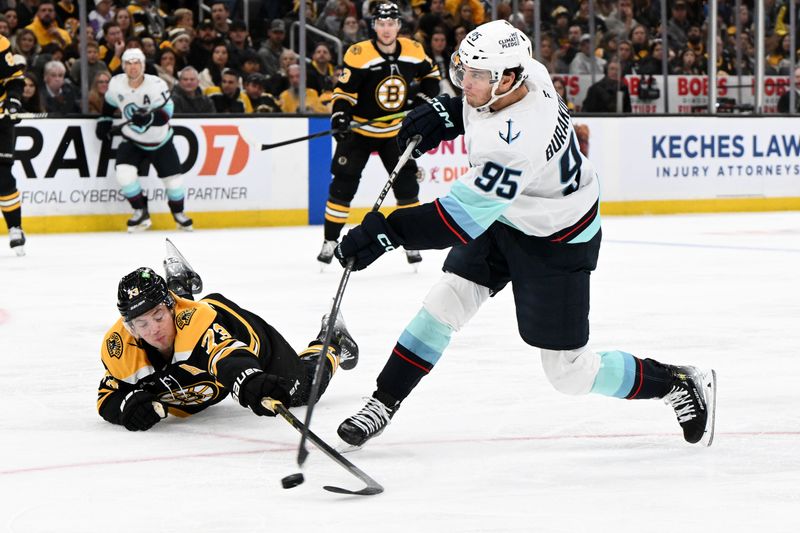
[(4, 29), (585, 62), (239, 43), (621, 22), (123, 18), (101, 14), (440, 53), (561, 90), (25, 44), (333, 15), (31, 97), (321, 75), (45, 26), (272, 48), (65, 9), (165, 68), (251, 63), (604, 96), (184, 19), (784, 100), (581, 18), (351, 32), (202, 45), (652, 64), (12, 19), (778, 61), (149, 48), (180, 41), (187, 95), (625, 57), (97, 92), (227, 96), (476, 13), (290, 98), (60, 98), (280, 82), (26, 10), (211, 76), (110, 52), (640, 41), (686, 63), (93, 60), (260, 100), (220, 16)]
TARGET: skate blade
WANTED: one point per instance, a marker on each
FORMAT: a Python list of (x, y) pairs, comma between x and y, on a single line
[(343, 447), (184, 228), (710, 392), (19, 250), (140, 227)]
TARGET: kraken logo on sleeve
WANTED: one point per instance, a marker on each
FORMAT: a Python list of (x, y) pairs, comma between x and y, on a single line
[(184, 317), (114, 345)]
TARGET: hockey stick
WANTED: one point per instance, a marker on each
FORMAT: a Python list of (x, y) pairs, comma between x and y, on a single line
[(353, 124), (23, 116), (373, 487), (302, 452)]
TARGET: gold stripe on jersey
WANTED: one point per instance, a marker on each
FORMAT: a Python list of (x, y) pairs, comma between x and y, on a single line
[(435, 74), (412, 204), (192, 321), (122, 356), (339, 94), (255, 341), (9, 69)]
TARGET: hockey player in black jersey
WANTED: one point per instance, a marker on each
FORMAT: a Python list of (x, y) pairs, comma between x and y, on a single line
[(378, 79), (168, 354), (11, 85)]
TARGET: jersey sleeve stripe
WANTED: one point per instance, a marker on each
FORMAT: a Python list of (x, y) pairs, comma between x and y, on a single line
[(449, 226), (472, 211)]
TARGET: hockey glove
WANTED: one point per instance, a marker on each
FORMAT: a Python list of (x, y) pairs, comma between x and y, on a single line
[(103, 129), (141, 118), (434, 122), (254, 385), (138, 411), (340, 122), (13, 106), (367, 242)]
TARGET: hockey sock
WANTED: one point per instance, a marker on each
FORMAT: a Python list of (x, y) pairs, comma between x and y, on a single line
[(137, 201), (175, 206), (336, 213), (12, 209), (623, 375)]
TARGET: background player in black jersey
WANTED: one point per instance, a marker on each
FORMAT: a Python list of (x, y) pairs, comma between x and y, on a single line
[(378, 79), (11, 85), (168, 354)]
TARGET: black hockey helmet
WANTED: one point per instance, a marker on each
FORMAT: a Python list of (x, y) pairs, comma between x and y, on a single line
[(141, 291), (387, 10)]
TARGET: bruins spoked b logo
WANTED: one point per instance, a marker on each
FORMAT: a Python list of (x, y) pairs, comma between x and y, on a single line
[(184, 317), (391, 93), (114, 345)]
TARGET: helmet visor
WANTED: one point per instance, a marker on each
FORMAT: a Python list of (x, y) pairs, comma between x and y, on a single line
[(460, 73)]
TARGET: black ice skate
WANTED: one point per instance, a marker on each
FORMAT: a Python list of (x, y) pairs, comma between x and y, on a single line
[(369, 422), (413, 257), (17, 240), (326, 254), (181, 277), (348, 349), (140, 220), (182, 221), (693, 396)]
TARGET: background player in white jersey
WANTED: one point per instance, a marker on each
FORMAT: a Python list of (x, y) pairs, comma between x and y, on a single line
[(144, 103), (525, 213)]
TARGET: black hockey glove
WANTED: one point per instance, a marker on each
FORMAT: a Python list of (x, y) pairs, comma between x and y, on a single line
[(138, 411), (435, 121), (340, 122), (103, 129), (367, 241), (141, 118), (254, 385)]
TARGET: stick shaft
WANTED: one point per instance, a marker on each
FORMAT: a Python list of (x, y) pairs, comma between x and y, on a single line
[(353, 124)]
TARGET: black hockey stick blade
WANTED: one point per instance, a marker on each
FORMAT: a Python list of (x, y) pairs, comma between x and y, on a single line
[(372, 488)]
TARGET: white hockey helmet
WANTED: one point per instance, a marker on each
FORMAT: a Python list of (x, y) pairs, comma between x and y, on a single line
[(494, 47), (133, 54)]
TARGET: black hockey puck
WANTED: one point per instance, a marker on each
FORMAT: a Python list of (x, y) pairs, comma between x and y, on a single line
[(292, 481)]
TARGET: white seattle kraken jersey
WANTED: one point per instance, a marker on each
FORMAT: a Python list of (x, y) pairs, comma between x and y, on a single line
[(149, 95), (527, 170)]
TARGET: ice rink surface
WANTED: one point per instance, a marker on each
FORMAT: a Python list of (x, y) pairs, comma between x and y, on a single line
[(484, 444)]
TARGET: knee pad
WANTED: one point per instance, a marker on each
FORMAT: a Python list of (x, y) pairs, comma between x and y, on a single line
[(174, 186), (128, 179), (571, 371), (343, 187), (8, 184), (453, 301)]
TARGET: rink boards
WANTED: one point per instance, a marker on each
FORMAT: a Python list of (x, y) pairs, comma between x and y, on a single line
[(645, 165)]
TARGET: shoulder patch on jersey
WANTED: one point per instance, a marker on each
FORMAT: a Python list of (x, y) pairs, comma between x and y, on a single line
[(184, 317), (359, 54), (114, 345)]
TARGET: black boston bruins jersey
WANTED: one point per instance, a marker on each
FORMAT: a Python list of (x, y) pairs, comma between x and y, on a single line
[(11, 80), (374, 84), (215, 342)]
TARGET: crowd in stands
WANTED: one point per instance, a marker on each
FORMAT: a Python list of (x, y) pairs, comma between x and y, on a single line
[(218, 63)]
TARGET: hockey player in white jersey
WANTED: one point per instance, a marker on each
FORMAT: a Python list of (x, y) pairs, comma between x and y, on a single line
[(145, 105), (526, 213)]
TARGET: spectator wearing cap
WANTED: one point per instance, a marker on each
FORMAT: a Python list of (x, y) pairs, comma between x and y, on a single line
[(220, 14), (560, 28), (585, 62), (45, 26), (610, 94), (211, 76), (187, 95), (290, 98), (228, 96), (101, 14), (678, 26), (251, 63), (180, 41), (261, 101), (272, 48), (202, 45), (239, 43)]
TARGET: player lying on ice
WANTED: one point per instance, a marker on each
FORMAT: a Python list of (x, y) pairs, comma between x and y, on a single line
[(526, 213), (168, 354)]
